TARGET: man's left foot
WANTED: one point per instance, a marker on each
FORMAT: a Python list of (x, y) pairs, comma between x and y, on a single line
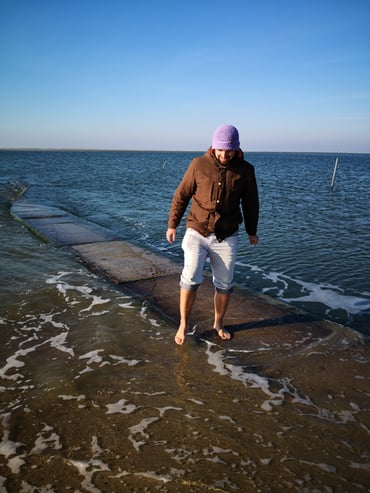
[(223, 334), (180, 336)]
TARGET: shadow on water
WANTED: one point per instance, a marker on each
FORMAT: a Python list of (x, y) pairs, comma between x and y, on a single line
[(273, 322), (261, 324)]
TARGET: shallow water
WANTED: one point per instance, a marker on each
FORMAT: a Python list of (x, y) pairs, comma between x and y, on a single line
[(96, 397)]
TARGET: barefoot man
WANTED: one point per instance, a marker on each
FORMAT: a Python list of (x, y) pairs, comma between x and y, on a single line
[(222, 189)]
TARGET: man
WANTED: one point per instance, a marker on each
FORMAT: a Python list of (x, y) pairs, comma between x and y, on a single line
[(223, 191)]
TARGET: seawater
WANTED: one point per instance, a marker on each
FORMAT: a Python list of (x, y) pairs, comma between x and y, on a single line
[(313, 249), (95, 395)]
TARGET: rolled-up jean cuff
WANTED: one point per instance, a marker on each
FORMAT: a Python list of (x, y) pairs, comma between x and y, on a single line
[(224, 291), (189, 287)]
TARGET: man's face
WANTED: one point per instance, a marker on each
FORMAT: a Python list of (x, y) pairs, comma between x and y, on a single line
[(224, 156)]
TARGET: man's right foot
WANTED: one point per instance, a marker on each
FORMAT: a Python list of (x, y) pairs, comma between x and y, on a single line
[(180, 336)]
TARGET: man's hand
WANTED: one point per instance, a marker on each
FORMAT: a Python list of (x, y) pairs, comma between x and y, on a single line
[(171, 235), (253, 239)]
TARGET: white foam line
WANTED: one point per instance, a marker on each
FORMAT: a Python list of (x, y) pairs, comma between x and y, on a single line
[(15, 463), (14, 362), (87, 469), (214, 451), (150, 394), (143, 310), (95, 357), (343, 417), (44, 442), (127, 305), (153, 475), (253, 380), (95, 447), (325, 293), (58, 342), (72, 397), (139, 429), (237, 373), (359, 465), (249, 351), (48, 319), (120, 360), (97, 300), (92, 356), (148, 474), (64, 287), (98, 314), (227, 418), (121, 407), (335, 301), (200, 403), (324, 467), (163, 410), (181, 456), (277, 398), (8, 448)]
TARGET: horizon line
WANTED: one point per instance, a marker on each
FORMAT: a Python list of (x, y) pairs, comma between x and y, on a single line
[(87, 149)]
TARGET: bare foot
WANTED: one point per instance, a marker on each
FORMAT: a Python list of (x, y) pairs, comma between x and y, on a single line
[(180, 336), (223, 334)]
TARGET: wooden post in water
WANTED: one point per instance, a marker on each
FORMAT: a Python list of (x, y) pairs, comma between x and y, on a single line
[(334, 174)]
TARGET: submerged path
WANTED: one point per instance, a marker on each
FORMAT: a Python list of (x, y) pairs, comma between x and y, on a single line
[(252, 319)]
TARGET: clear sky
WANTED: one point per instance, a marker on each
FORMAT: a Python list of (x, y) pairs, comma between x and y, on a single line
[(157, 74)]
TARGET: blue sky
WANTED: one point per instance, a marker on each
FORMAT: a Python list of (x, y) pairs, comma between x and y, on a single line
[(291, 75)]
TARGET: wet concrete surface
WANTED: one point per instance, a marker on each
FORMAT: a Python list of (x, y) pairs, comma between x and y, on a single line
[(57, 226), (121, 262)]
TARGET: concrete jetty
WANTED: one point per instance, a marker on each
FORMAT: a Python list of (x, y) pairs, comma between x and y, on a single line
[(253, 320)]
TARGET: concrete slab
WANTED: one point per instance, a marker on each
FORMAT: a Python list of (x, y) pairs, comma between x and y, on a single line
[(69, 231), (57, 226), (122, 262), (27, 210)]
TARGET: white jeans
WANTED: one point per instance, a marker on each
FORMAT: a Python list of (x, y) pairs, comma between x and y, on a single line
[(222, 257)]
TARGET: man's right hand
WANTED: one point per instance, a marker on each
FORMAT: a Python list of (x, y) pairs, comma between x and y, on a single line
[(171, 235)]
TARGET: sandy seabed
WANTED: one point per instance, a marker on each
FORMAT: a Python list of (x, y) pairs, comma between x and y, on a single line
[(98, 398)]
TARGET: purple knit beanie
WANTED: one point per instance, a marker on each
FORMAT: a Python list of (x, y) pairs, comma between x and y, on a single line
[(226, 137)]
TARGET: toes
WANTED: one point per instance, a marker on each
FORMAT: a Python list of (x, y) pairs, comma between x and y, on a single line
[(223, 334), (180, 337)]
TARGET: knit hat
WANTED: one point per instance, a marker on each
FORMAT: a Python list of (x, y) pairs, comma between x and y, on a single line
[(226, 137)]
